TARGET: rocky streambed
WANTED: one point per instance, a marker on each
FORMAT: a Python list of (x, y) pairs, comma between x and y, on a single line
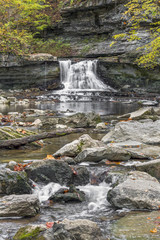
[(100, 184)]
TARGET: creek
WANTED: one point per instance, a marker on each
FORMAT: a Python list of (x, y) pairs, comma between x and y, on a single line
[(78, 79)]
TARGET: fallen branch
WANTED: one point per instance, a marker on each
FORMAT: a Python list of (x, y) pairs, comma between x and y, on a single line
[(15, 143)]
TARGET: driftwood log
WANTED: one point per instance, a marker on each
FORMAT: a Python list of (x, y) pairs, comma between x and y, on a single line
[(15, 143)]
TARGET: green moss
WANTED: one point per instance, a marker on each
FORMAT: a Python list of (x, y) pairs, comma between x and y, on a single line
[(79, 146), (28, 234)]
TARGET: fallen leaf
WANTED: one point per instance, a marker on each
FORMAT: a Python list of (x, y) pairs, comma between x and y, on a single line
[(148, 218), (49, 157), (154, 230), (49, 224)]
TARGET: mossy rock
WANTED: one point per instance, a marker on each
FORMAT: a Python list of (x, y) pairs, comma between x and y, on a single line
[(30, 233)]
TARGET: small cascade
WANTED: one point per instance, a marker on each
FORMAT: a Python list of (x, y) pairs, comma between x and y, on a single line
[(81, 76), (81, 82)]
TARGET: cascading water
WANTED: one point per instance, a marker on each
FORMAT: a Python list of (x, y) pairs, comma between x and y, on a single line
[(81, 76), (80, 81)]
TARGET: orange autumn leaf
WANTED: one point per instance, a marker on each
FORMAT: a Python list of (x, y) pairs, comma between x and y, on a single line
[(66, 191), (158, 217), (154, 230), (49, 224), (148, 218), (49, 157)]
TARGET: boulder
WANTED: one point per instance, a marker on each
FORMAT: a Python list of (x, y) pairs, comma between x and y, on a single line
[(138, 191), (31, 232), (19, 206), (12, 182), (152, 167), (148, 132), (72, 149), (50, 170), (68, 195), (101, 126), (138, 150), (142, 113), (80, 176), (61, 126), (98, 153), (37, 123), (81, 120), (79, 229)]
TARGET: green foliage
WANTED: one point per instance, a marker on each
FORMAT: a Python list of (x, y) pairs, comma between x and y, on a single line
[(22, 21), (143, 14), (55, 47)]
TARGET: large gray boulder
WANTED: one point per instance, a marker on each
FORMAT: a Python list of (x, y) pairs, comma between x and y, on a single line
[(50, 171), (12, 182), (138, 191), (72, 149), (148, 132), (80, 229), (152, 167), (98, 153), (19, 206), (57, 171)]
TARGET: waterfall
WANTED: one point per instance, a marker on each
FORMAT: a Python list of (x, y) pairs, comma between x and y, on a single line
[(81, 76)]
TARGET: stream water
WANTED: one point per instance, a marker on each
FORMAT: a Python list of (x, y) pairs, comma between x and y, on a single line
[(83, 92)]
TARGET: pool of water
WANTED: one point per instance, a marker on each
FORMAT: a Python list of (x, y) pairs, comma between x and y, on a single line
[(112, 107)]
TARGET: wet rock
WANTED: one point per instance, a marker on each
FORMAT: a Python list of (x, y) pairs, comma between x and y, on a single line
[(138, 191), (148, 103), (142, 113), (12, 182), (32, 232), (152, 167), (11, 165), (4, 100), (116, 177), (101, 126), (82, 120), (80, 176), (80, 229), (98, 153), (50, 171), (37, 123), (136, 225), (68, 160), (72, 149), (68, 195), (19, 206), (148, 132), (61, 126), (77, 229), (138, 150)]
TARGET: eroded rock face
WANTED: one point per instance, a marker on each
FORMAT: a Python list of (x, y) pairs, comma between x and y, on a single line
[(19, 206), (40, 70), (148, 132), (138, 191), (72, 149), (12, 182)]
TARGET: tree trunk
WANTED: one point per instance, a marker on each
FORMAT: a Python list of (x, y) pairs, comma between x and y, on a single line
[(15, 143)]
